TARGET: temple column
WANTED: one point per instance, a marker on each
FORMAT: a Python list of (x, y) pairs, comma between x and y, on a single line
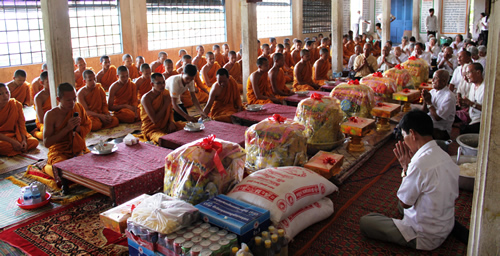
[(134, 24), (415, 25), (386, 21), (337, 25), (297, 19), (233, 23), (249, 41)]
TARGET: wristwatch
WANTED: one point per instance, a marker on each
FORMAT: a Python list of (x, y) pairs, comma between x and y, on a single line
[(474, 105), (429, 106)]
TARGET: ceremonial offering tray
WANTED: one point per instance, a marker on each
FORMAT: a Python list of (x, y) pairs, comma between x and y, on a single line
[(103, 148), (384, 111), (356, 128), (407, 96), (45, 201), (302, 93), (254, 107), (325, 163), (194, 127)]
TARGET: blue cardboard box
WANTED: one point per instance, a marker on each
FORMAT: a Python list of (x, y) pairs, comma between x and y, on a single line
[(243, 219)]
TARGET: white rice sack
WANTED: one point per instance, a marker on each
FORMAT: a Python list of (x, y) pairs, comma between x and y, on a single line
[(282, 190), (306, 216)]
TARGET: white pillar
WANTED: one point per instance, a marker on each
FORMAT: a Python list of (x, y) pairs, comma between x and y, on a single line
[(297, 18), (386, 21), (249, 41), (337, 25), (415, 25), (134, 24)]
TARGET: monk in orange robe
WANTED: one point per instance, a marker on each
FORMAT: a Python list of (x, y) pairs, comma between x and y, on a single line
[(277, 77), (42, 105), (258, 88), (349, 45), (139, 60), (199, 60), (202, 91), (157, 114), (143, 83), (14, 139), (288, 56), (122, 98), (92, 97), (312, 51), (259, 49), (219, 58), (224, 98), (288, 72), (324, 44), (208, 72), (225, 52), (19, 88), (81, 66), (321, 68), (303, 73), (107, 76), (234, 69), (182, 52), (169, 69), (272, 44), (129, 63), (157, 65), (64, 132), (35, 84), (296, 52), (266, 53)]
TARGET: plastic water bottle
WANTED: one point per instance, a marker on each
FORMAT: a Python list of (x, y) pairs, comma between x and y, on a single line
[(27, 196), (200, 120), (35, 195)]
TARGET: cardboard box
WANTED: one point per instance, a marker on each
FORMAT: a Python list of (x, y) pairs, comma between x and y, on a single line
[(321, 163), (139, 247), (408, 96), (386, 110), (358, 126), (116, 218), (241, 218)]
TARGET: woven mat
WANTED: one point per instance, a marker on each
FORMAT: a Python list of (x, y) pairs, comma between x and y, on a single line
[(8, 164)]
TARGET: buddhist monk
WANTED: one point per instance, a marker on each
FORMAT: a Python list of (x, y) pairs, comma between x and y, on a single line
[(42, 105), (234, 69), (132, 68), (157, 114), (349, 45), (259, 49), (107, 76), (35, 84), (321, 67), (225, 52), (258, 88), (143, 83), (296, 52), (312, 51), (288, 56), (277, 77), (201, 90), (288, 72), (303, 73), (345, 52), (65, 130), (209, 71), (157, 65), (224, 98), (169, 69), (122, 98), (20, 89), (14, 139), (177, 85), (294, 44), (139, 61), (324, 44), (272, 44), (92, 97), (266, 53), (81, 66), (178, 64), (219, 58), (199, 60)]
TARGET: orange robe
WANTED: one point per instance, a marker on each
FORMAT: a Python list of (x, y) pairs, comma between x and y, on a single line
[(350, 48), (314, 55), (133, 72), (126, 96), (281, 82), (212, 74), (13, 125), (160, 69), (259, 52), (35, 83), (152, 131), (73, 144), (307, 75), (22, 94), (79, 82), (264, 88), (109, 78), (269, 59), (322, 72), (227, 103), (96, 102), (144, 88), (235, 72), (297, 57), (219, 58), (288, 59), (47, 105), (200, 95), (202, 62), (345, 55)]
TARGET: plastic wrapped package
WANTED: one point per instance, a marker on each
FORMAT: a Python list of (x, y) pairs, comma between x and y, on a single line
[(203, 169), (164, 214), (401, 76), (418, 68), (383, 87), (356, 99), (321, 117), (275, 141)]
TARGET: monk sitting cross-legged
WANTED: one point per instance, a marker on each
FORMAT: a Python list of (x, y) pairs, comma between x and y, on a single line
[(42, 105), (225, 53), (157, 114), (201, 90), (234, 69), (138, 63), (208, 72), (224, 98), (296, 52), (133, 70), (314, 53), (122, 98), (288, 72), (19, 88), (272, 44), (169, 69), (321, 67), (258, 88), (14, 139), (288, 56), (277, 77), (143, 83), (303, 74), (35, 84), (178, 64), (219, 58), (92, 97), (157, 65), (266, 53), (81, 66), (107, 76), (65, 128), (199, 60)]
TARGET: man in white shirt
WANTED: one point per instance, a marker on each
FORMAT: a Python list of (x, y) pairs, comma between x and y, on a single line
[(419, 53), (399, 55), (458, 80), (448, 61), (440, 105), (357, 22), (458, 44), (177, 85), (475, 56), (427, 192), (433, 48), (485, 24), (431, 23), (482, 51), (379, 18), (474, 100), (357, 51), (386, 60)]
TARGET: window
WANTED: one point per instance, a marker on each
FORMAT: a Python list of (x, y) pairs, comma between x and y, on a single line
[(274, 18), (317, 16), (174, 23)]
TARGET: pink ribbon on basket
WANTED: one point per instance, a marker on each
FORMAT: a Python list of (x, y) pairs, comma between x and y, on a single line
[(354, 119), (377, 74), (317, 96), (278, 118), (399, 67), (329, 160), (353, 82), (412, 58), (209, 144)]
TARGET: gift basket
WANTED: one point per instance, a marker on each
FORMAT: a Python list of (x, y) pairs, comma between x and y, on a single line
[(356, 99), (401, 76), (383, 87), (418, 68)]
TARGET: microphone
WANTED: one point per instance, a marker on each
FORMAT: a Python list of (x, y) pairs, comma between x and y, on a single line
[(74, 129)]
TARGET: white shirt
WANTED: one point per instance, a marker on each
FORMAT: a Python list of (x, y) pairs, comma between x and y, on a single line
[(403, 57), (176, 88), (461, 86), (445, 103), (485, 23), (446, 66), (351, 61), (390, 58), (482, 61), (433, 50), (476, 95), (358, 19), (430, 187), (460, 47), (391, 17), (425, 56), (431, 23)]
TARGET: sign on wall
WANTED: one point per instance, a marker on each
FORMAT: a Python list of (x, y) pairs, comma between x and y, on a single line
[(454, 20), (425, 5)]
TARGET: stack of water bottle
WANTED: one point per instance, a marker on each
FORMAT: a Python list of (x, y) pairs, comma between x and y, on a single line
[(32, 194)]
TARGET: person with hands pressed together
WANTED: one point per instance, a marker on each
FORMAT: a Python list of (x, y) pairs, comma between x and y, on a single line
[(258, 88), (224, 98), (122, 99), (473, 100), (448, 61), (365, 63)]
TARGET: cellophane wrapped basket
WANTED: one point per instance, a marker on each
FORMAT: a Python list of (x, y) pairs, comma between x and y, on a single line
[(383, 87), (419, 70), (356, 99), (401, 76)]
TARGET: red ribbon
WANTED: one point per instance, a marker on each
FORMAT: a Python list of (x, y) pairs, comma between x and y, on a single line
[(353, 82), (209, 144), (354, 119), (380, 104), (423, 84), (278, 118), (377, 74), (317, 96), (412, 58), (329, 160), (399, 67), (406, 90)]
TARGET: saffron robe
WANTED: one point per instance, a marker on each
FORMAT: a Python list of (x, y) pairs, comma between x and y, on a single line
[(227, 103), (45, 107), (219, 58), (307, 77), (212, 74), (296, 55), (13, 125), (281, 82), (79, 82), (264, 88), (133, 72), (201, 62), (235, 72), (322, 72), (96, 102), (143, 87), (22, 94), (126, 96), (200, 95), (160, 69), (35, 84), (108, 78), (288, 59)]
